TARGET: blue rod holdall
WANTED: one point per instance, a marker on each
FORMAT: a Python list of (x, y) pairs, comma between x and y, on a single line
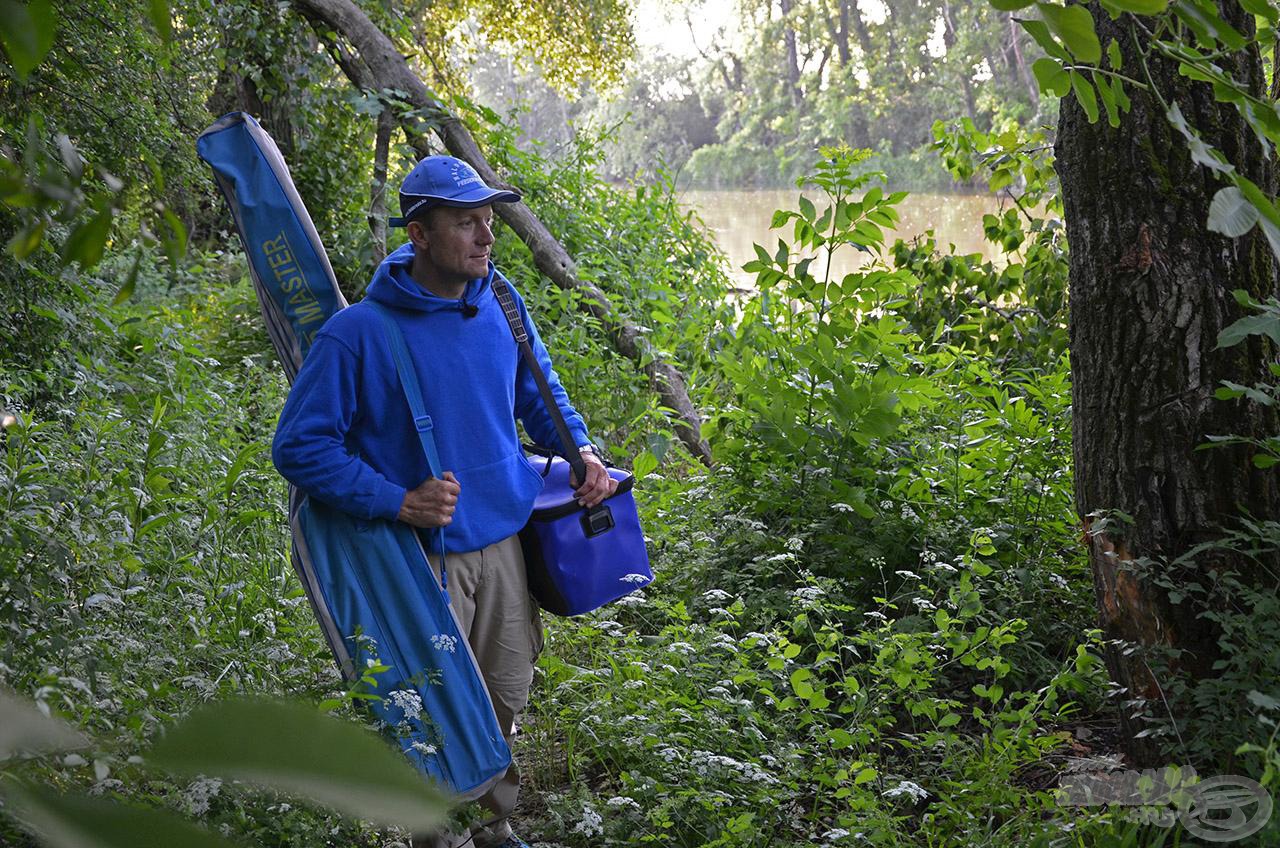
[(369, 582)]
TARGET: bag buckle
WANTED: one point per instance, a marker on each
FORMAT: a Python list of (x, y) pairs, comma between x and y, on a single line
[(597, 520), (423, 423)]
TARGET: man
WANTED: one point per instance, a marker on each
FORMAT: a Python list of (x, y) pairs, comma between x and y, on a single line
[(346, 436)]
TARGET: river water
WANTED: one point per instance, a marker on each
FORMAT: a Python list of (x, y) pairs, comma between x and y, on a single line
[(740, 218)]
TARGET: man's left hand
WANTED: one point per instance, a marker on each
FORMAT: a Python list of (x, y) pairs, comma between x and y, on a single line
[(599, 484)]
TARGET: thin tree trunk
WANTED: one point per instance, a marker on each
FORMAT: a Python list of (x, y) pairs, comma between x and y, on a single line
[(793, 61), (389, 70), (378, 191), (1150, 289)]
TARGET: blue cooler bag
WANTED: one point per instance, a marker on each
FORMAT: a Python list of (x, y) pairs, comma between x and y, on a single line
[(579, 559)]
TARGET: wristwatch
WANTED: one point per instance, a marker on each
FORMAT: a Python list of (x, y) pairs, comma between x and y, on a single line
[(592, 449)]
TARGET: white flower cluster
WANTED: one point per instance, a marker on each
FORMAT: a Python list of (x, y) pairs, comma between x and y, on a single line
[(705, 761), (591, 825), (622, 801), (445, 642), (681, 648), (716, 596), (408, 701), (634, 684), (637, 579), (199, 793), (725, 641), (423, 748), (808, 595), (906, 787), (834, 833), (841, 507), (669, 755), (635, 599)]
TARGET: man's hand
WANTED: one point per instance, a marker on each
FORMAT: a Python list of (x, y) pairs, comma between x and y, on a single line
[(431, 504), (599, 484)]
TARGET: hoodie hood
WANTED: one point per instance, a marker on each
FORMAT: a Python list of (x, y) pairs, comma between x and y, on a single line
[(393, 286)]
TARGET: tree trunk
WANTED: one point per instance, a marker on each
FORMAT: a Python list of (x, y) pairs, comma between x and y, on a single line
[(1150, 289), (793, 59), (378, 191), (387, 69)]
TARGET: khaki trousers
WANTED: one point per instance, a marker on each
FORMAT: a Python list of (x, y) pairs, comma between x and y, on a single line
[(489, 593)]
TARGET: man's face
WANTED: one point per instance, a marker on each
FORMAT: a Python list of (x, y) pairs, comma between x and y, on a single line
[(456, 242)]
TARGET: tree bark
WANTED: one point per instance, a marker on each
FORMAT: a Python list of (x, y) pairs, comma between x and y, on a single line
[(1150, 289), (388, 69), (378, 191), (789, 43)]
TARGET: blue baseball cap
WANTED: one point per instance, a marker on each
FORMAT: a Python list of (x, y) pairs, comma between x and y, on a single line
[(445, 181)]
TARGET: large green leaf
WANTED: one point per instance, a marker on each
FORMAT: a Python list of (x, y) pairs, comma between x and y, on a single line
[(25, 730), (26, 31), (1265, 324), (1231, 213), (1074, 26), (1140, 7), (300, 751), (76, 821), (1052, 78)]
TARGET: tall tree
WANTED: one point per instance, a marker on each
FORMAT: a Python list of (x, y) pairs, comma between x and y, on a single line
[(1150, 291)]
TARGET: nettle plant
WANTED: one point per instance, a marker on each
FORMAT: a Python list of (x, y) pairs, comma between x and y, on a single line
[(821, 367)]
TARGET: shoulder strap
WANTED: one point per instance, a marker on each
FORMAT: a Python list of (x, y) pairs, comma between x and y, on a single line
[(502, 291), (412, 388)]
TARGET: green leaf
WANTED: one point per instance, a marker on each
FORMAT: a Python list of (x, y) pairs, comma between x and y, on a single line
[(77, 821), (1039, 31), (159, 12), (27, 31), (26, 240), (800, 683), (1074, 26), (1051, 76), (807, 209), (1252, 325), (865, 776), (1114, 59), (1261, 8), (1108, 99), (1084, 93), (300, 751), (644, 463), (1011, 5), (1140, 7), (87, 241), (24, 730), (130, 282), (1231, 214)]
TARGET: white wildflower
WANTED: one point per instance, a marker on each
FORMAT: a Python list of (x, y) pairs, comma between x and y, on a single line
[(407, 700), (834, 833), (634, 684), (717, 596), (680, 648), (622, 801), (795, 543), (636, 579), (591, 825), (841, 507), (445, 642), (913, 790), (424, 749), (199, 793)]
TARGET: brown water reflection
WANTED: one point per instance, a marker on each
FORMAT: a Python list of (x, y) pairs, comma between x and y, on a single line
[(740, 218)]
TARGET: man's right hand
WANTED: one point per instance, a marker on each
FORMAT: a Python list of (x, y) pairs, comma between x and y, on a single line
[(431, 504)]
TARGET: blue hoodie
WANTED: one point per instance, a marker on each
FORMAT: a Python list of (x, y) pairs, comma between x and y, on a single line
[(346, 435)]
